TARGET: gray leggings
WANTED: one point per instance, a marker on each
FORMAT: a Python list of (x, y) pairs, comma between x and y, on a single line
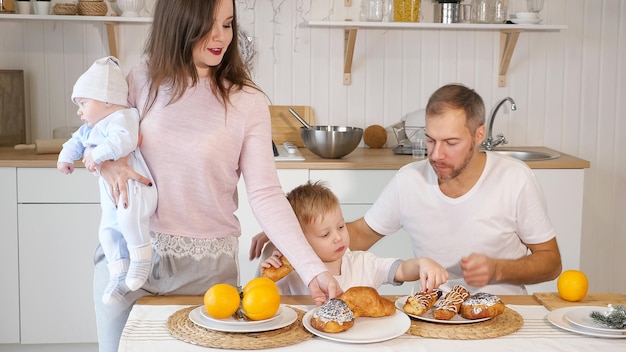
[(181, 272)]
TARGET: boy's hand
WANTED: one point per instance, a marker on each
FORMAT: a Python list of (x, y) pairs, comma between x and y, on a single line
[(273, 260), (89, 163)]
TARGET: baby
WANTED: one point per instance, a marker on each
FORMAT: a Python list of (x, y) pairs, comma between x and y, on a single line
[(110, 131)]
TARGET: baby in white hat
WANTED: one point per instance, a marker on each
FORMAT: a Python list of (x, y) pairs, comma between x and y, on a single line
[(110, 131)]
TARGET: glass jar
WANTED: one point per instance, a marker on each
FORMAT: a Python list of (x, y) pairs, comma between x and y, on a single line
[(406, 10), (500, 11), (483, 11)]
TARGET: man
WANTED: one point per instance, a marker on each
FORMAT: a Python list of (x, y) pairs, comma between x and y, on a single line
[(481, 215)]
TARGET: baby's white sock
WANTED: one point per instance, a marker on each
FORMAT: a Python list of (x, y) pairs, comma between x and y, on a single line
[(139, 269), (115, 290)]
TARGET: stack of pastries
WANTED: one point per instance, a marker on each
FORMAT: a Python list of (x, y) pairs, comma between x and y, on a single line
[(338, 314), (457, 301)]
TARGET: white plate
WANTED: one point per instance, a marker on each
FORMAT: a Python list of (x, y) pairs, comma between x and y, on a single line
[(287, 317), (235, 322), (557, 318), (526, 21), (365, 330), (428, 316), (580, 317)]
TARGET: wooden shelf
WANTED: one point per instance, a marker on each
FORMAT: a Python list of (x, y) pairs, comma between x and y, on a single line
[(111, 23), (509, 33)]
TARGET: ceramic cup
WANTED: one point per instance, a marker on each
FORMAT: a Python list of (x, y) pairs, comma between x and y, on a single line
[(23, 7), (42, 7)]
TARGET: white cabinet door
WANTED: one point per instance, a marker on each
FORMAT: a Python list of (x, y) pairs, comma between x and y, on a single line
[(9, 294), (56, 245), (289, 179)]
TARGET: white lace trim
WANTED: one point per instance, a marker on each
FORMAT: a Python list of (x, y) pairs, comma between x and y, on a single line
[(166, 245)]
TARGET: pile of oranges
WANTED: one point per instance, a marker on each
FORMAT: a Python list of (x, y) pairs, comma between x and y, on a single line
[(258, 300)]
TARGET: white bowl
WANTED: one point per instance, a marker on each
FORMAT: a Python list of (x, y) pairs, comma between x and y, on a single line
[(527, 15)]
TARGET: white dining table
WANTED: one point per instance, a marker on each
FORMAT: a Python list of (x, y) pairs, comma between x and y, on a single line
[(146, 330)]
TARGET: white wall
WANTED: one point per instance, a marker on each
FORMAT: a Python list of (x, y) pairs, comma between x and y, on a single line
[(568, 85)]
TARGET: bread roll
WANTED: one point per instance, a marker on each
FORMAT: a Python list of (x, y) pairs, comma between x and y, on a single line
[(421, 302), (449, 305), (333, 316), (482, 305), (276, 274), (366, 302)]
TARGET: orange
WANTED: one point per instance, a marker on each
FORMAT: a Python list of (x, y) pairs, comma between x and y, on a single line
[(261, 300), (572, 285), (221, 300), (259, 281)]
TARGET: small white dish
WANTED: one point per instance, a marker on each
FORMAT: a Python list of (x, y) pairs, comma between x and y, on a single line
[(428, 316), (287, 317), (581, 317), (557, 318), (365, 330), (523, 21), (235, 322), (526, 15)]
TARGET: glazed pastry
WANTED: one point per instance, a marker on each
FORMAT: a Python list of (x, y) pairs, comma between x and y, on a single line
[(366, 302), (333, 316), (482, 305), (421, 302), (449, 305), (276, 274)]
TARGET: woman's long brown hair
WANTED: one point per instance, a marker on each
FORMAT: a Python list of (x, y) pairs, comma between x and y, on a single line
[(178, 26)]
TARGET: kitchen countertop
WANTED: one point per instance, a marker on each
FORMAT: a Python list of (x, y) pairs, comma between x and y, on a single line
[(360, 159)]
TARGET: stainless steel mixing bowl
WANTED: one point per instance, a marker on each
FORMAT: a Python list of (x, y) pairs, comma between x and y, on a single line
[(331, 142)]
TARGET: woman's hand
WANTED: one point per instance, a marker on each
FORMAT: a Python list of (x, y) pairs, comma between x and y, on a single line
[(256, 247), (116, 173), (324, 287)]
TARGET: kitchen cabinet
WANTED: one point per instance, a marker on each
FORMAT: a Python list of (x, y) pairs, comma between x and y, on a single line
[(9, 294), (508, 37), (58, 217)]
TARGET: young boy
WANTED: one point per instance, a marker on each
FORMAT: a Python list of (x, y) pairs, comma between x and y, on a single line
[(110, 131), (322, 222)]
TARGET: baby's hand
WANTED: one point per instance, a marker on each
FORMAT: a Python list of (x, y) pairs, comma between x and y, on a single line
[(66, 168), (432, 274)]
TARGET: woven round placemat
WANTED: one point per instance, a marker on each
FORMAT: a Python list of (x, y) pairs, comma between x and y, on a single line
[(184, 329), (506, 323)]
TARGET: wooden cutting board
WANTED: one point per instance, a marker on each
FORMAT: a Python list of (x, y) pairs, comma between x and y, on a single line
[(551, 300), (285, 127)]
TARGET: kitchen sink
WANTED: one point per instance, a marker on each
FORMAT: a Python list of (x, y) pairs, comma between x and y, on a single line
[(527, 155)]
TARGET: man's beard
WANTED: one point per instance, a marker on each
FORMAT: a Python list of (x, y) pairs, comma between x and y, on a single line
[(456, 172)]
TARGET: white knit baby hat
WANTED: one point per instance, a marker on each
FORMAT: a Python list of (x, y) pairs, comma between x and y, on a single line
[(103, 81)]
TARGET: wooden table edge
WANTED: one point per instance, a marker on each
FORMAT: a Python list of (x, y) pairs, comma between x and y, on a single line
[(303, 300)]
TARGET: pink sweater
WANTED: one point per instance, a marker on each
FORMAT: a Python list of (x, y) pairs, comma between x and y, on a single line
[(196, 155)]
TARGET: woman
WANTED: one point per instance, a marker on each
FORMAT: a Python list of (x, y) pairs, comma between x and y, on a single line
[(204, 123)]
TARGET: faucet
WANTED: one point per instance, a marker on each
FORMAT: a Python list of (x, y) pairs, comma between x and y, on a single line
[(489, 143)]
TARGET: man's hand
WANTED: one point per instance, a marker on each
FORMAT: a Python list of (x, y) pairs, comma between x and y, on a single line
[(324, 287), (478, 269)]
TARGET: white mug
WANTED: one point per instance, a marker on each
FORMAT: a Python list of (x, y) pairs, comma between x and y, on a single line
[(42, 7)]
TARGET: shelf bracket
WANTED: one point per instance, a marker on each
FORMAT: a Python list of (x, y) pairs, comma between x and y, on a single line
[(112, 38), (508, 40), (350, 40)]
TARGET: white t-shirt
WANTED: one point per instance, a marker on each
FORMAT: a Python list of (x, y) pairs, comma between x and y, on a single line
[(504, 208), (358, 268)]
